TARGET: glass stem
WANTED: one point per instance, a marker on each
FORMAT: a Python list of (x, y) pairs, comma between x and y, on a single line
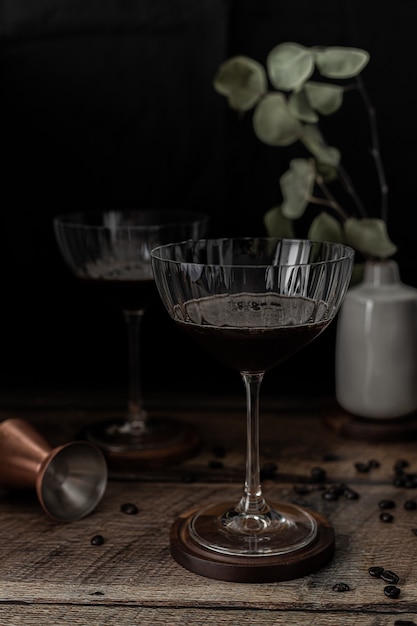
[(252, 501), (136, 413)]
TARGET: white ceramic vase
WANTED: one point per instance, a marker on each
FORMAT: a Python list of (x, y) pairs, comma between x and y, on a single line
[(376, 345)]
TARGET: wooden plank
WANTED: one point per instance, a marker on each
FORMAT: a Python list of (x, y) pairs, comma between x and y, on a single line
[(195, 616), (44, 562)]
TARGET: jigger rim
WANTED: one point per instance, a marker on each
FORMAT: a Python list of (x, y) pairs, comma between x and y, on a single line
[(97, 486)]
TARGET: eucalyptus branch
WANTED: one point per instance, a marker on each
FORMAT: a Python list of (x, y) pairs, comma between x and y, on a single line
[(375, 148), (329, 199), (348, 185)]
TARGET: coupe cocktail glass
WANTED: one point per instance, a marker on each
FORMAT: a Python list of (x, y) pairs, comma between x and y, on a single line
[(110, 253), (252, 303)]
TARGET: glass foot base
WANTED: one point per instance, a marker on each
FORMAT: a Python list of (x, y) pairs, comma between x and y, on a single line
[(165, 441), (251, 563)]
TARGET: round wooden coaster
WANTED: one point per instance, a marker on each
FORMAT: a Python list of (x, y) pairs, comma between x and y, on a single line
[(247, 569), (176, 442), (371, 429)]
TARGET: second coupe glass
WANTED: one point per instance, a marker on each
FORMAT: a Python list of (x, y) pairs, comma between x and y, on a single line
[(110, 252)]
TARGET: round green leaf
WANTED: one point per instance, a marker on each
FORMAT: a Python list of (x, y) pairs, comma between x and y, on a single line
[(299, 106), (273, 123), (369, 236), (277, 225), (339, 62), (326, 228), (297, 186), (313, 141), (242, 80), (324, 98), (289, 65)]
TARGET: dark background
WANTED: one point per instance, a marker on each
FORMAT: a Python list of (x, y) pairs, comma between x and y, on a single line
[(111, 105)]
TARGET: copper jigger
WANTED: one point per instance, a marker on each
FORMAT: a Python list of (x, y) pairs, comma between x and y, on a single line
[(70, 479)]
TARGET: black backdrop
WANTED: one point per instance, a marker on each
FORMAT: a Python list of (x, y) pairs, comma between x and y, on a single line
[(111, 105)]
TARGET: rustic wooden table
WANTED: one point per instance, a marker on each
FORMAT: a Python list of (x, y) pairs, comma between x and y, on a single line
[(50, 572)]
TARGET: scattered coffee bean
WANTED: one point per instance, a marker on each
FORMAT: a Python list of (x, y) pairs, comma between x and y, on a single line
[(341, 587), (318, 474), (375, 571), (414, 531), (330, 495), (410, 505), (386, 504), (400, 466), (129, 508), (268, 471), (410, 481), (374, 464), (391, 591), (404, 622), (386, 517), (362, 467), (97, 540), (350, 494), (399, 481), (390, 577)]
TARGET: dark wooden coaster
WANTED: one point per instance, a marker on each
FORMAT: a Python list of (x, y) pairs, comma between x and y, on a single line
[(247, 569), (371, 429), (176, 442)]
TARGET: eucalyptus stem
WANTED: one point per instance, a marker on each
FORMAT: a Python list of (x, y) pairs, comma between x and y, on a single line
[(375, 148)]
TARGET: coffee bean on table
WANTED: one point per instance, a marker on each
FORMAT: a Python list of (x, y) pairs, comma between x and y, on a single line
[(129, 508), (375, 571), (410, 505), (97, 540), (386, 504), (362, 467), (389, 577), (391, 591), (318, 474), (341, 587), (386, 517)]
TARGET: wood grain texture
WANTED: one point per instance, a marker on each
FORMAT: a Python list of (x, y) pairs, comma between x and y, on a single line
[(51, 572)]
